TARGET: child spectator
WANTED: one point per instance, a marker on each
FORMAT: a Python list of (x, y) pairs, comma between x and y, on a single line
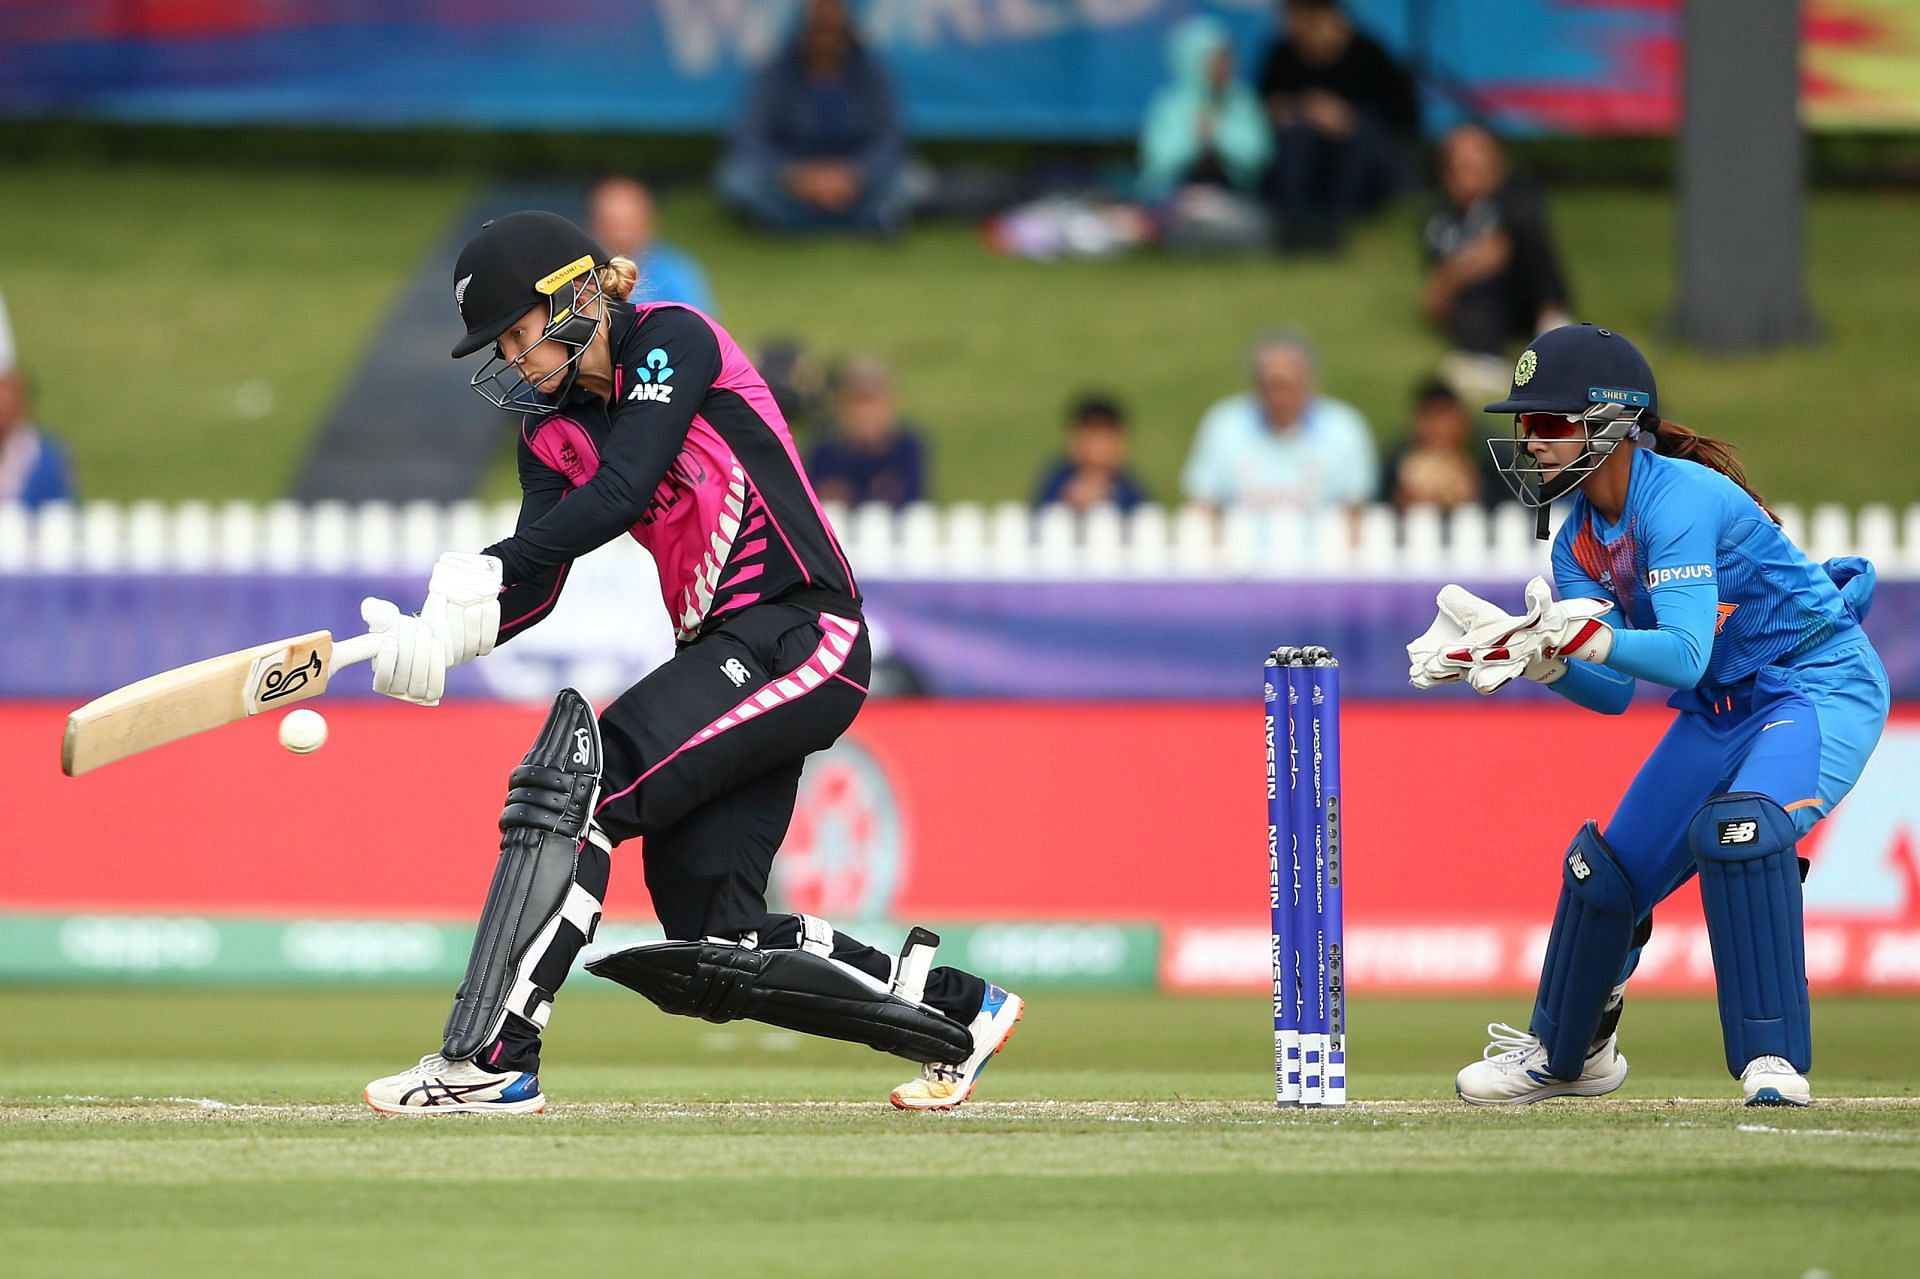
[(1093, 471), (1438, 463), (869, 454)]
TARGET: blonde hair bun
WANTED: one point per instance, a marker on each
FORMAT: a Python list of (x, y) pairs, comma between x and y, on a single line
[(618, 278)]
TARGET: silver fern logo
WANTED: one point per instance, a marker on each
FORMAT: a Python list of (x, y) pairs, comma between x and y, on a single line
[(460, 291)]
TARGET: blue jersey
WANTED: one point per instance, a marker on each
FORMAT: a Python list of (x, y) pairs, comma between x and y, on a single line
[(1695, 559)]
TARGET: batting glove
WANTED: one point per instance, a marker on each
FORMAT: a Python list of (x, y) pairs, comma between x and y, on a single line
[(412, 662), (463, 604)]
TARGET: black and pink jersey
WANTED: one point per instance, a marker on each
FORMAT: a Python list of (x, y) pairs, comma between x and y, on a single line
[(693, 458)]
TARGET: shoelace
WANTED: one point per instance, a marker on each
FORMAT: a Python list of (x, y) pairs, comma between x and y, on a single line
[(942, 1073), (431, 1064), (1771, 1066), (1507, 1043)]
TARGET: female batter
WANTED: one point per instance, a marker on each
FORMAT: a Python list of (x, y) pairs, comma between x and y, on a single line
[(650, 421), (1669, 570)]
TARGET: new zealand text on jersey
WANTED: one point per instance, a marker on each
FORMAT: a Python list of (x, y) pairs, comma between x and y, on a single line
[(685, 473)]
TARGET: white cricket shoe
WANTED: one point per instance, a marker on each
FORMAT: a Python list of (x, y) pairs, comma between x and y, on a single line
[(440, 1087), (1513, 1071), (944, 1085), (1772, 1081)]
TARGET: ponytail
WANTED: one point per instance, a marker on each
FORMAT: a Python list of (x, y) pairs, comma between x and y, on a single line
[(1670, 439), (618, 278)]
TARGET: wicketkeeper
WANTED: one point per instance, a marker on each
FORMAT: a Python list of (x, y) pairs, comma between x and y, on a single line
[(1670, 570), (648, 420)]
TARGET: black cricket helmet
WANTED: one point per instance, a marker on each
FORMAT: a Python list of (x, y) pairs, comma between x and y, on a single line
[(511, 265), (1574, 382)]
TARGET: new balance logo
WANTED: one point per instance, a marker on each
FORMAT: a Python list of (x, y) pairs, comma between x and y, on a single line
[(736, 671), (1578, 865), (1741, 832)]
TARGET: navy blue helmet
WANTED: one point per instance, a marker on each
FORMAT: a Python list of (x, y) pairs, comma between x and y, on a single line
[(1576, 382), (1576, 366)]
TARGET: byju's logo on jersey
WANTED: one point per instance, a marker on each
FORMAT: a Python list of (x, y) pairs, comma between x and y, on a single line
[(1740, 832), (651, 378), (1685, 573)]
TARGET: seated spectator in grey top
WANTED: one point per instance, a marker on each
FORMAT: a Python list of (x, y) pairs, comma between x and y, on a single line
[(820, 145), (1442, 462), (1493, 276), (620, 215), (1344, 116), (1093, 471), (869, 454)]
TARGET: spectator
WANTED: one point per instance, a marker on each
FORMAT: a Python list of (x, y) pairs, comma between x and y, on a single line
[(820, 145), (1344, 116), (1093, 471), (1206, 127), (869, 454), (798, 383), (1440, 462), (1282, 443), (1493, 276), (33, 467), (620, 216)]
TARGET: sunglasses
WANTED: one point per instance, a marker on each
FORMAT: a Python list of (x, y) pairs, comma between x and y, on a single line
[(1552, 426)]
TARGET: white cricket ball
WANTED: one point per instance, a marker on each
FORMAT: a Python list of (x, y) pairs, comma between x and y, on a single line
[(303, 731)]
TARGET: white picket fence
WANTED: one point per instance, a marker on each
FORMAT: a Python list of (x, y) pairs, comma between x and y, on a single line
[(960, 540)]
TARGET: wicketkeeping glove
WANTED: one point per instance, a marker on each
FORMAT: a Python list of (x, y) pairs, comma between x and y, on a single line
[(412, 662), (1536, 645), (463, 604), (1464, 621)]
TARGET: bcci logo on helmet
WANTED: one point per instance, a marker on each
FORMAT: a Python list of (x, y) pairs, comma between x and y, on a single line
[(1524, 369)]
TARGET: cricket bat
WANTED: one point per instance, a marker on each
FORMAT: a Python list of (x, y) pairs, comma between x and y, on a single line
[(192, 699)]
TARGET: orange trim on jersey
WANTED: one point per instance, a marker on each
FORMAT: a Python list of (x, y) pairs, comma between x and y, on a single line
[(1801, 803)]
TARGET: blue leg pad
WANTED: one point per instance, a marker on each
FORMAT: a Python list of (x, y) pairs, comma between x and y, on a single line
[(1593, 930), (1743, 843)]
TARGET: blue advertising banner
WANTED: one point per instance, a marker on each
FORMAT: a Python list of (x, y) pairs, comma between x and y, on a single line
[(1117, 639), (1009, 68)]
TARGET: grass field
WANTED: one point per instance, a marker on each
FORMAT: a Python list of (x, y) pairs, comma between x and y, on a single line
[(189, 327), (183, 1132)]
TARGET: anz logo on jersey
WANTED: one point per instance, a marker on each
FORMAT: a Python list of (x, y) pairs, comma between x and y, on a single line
[(651, 378)]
